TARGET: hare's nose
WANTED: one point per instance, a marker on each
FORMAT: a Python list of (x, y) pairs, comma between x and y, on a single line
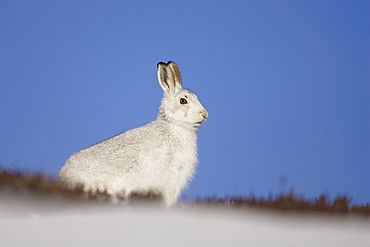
[(204, 114)]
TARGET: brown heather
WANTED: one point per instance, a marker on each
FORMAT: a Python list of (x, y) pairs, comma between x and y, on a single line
[(29, 183)]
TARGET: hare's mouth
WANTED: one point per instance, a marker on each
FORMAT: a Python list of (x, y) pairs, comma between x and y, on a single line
[(199, 123)]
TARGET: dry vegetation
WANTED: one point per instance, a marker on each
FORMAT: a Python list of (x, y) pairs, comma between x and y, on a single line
[(21, 183)]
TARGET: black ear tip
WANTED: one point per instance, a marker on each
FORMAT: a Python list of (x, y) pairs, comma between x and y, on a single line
[(161, 63)]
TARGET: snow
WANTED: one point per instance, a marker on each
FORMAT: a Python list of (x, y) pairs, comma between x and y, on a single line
[(56, 222)]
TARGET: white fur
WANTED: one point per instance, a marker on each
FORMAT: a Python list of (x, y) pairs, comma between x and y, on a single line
[(159, 157)]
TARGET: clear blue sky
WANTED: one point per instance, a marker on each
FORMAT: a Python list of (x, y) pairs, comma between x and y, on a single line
[(286, 84)]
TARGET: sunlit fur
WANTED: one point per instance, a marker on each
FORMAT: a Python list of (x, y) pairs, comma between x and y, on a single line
[(159, 157)]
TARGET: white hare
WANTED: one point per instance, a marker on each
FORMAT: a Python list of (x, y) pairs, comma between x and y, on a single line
[(159, 157)]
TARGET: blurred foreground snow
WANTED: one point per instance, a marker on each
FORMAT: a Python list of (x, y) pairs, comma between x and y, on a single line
[(56, 222)]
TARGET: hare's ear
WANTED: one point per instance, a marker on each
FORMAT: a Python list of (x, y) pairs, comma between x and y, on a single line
[(166, 78), (176, 72)]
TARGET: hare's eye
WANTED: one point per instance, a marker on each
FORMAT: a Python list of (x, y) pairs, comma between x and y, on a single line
[(183, 101)]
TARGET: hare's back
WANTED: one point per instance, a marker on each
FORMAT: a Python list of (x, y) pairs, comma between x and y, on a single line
[(121, 149)]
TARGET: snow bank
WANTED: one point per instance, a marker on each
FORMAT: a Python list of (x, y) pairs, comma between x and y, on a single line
[(35, 222)]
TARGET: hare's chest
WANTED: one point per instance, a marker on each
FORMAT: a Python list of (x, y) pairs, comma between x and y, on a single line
[(183, 156)]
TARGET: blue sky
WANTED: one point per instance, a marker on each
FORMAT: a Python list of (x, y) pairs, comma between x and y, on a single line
[(286, 85)]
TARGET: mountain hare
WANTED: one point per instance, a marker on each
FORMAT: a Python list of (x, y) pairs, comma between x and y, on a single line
[(159, 157)]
